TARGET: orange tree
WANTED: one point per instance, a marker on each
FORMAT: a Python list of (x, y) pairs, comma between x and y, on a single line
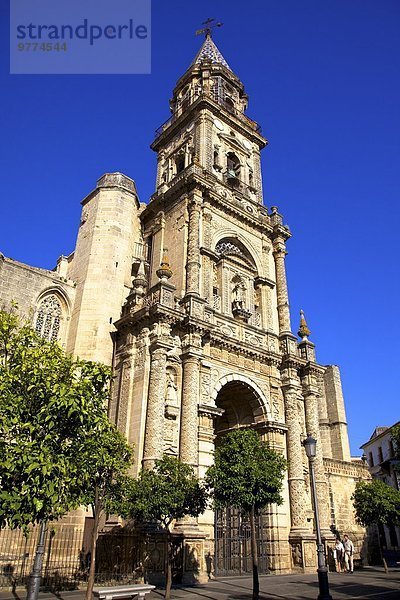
[(247, 475), (168, 492), (58, 449)]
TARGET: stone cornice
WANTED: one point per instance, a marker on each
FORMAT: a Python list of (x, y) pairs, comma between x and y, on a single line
[(275, 426), (211, 411), (242, 348), (157, 312), (264, 281), (312, 368), (342, 467), (56, 279), (196, 177)]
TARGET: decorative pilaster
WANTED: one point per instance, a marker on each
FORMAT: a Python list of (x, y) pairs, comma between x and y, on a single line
[(310, 393), (153, 444), (188, 451), (297, 490), (281, 285), (193, 247)]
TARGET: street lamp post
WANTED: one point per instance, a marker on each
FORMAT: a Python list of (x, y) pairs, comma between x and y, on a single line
[(310, 445)]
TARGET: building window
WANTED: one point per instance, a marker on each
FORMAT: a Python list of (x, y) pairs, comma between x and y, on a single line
[(48, 318), (370, 459), (380, 455), (232, 167), (180, 163), (229, 104)]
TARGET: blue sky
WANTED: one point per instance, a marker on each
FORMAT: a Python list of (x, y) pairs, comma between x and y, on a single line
[(323, 81)]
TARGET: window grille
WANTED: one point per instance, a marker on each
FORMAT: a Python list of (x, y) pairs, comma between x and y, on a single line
[(48, 318)]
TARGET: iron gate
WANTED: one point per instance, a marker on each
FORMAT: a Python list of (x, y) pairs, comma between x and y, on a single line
[(233, 543)]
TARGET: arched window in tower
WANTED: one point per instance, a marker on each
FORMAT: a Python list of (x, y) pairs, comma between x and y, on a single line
[(180, 162), (229, 104), (216, 89), (232, 167), (184, 99), (48, 318)]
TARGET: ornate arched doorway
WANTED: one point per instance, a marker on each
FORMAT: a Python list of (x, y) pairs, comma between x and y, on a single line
[(243, 406)]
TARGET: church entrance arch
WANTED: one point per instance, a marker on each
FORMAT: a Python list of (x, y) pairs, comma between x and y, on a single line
[(243, 405)]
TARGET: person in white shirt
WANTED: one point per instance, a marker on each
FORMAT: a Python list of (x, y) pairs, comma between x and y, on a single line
[(338, 554), (348, 553)]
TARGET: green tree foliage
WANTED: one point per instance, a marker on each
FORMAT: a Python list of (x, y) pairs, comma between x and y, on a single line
[(169, 492), (395, 433), (48, 404), (247, 475), (58, 448), (104, 458), (375, 502)]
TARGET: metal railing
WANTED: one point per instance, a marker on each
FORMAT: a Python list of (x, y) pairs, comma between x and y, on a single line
[(122, 556)]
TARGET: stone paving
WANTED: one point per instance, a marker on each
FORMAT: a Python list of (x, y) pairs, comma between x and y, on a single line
[(370, 583)]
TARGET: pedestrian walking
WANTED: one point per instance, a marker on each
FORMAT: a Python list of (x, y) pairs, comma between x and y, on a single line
[(348, 553)]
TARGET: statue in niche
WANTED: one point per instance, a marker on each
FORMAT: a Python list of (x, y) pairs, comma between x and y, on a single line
[(172, 390), (171, 396), (239, 293), (239, 309)]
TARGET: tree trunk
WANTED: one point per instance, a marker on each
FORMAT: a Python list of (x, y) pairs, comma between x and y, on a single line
[(254, 555), (168, 568), (92, 550), (385, 567)]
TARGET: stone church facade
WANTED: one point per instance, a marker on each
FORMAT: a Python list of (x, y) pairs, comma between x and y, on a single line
[(186, 296)]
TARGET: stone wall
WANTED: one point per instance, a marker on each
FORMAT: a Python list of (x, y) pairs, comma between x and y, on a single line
[(27, 285), (342, 478)]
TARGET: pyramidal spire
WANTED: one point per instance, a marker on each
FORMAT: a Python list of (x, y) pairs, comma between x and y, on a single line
[(304, 331), (209, 51)]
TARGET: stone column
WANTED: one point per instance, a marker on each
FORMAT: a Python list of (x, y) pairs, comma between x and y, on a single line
[(188, 449), (189, 433), (193, 247), (297, 489), (281, 285), (153, 443), (207, 270), (310, 393)]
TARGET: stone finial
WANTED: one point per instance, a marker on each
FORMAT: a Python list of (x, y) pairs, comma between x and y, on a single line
[(165, 271), (304, 331), (140, 281)]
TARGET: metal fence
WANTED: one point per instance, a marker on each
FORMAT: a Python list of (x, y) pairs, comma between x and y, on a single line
[(122, 556), (62, 559)]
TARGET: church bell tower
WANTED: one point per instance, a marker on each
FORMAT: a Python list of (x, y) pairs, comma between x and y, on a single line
[(204, 344)]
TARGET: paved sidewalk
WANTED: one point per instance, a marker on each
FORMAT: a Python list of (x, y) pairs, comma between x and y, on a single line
[(367, 584)]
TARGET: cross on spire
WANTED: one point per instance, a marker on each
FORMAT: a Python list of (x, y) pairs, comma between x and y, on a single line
[(209, 26)]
